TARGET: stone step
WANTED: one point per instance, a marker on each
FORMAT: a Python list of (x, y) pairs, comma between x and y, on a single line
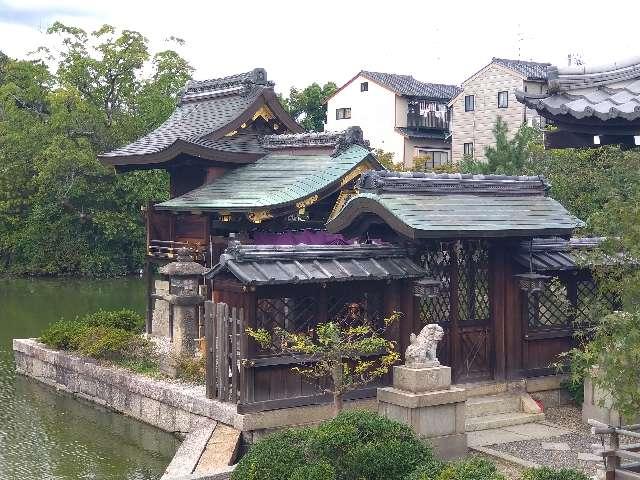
[(500, 420), (491, 404), (221, 450)]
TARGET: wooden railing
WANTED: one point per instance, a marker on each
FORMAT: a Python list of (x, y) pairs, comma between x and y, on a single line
[(615, 454), (167, 249), (430, 121)]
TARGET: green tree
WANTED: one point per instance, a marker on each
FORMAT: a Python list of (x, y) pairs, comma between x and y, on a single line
[(307, 105), (349, 351), (508, 156), (61, 211)]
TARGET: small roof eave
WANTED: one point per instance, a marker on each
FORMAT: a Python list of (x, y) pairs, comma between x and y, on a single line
[(178, 147)]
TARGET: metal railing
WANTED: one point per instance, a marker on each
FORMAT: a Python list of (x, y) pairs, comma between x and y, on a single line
[(431, 121)]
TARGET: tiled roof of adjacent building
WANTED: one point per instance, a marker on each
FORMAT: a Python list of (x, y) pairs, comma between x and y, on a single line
[(408, 86), (428, 205), (604, 93), (273, 181), (205, 111), (559, 254), (529, 70), (270, 265)]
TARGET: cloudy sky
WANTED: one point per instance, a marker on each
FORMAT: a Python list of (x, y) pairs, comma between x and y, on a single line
[(299, 41)]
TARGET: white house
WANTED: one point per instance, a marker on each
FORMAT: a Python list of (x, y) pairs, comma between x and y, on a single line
[(397, 114), (490, 93)]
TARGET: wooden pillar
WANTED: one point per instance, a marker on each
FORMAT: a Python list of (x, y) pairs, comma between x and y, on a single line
[(456, 359), (148, 275), (497, 308)]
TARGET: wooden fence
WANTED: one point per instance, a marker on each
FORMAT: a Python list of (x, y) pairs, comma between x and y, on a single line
[(226, 349), (615, 453)]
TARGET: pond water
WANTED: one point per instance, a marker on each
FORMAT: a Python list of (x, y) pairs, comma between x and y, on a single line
[(47, 435)]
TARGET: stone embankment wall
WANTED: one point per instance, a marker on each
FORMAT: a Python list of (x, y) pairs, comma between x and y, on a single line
[(172, 406)]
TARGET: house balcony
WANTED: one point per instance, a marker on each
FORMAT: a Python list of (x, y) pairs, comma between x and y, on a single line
[(430, 121)]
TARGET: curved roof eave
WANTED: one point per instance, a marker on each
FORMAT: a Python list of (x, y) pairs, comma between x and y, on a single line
[(322, 193), (178, 147)]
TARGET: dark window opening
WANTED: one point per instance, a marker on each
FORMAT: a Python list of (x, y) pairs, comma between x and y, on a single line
[(364, 87), (503, 99), (469, 103), (343, 113)]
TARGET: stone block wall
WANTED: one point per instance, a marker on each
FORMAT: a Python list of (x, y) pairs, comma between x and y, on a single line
[(171, 406)]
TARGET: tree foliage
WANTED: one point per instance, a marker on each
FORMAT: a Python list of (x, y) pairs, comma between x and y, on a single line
[(350, 351), (61, 211), (602, 187), (307, 105)]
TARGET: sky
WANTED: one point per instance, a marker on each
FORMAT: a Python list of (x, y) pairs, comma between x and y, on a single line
[(300, 42)]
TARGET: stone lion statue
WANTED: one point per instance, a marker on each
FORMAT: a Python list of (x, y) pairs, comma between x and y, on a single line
[(422, 351)]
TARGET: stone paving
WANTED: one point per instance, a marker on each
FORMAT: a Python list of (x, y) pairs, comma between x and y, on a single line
[(562, 441)]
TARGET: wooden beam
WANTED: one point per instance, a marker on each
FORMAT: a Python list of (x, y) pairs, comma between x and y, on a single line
[(567, 139)]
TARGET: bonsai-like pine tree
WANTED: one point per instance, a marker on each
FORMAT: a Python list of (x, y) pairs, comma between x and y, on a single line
[(350, 351)]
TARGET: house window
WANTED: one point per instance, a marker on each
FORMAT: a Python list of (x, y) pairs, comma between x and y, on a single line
[(364, 87), (432, 159), (342, 113), (503, 99), (469, 103), (468, 149)]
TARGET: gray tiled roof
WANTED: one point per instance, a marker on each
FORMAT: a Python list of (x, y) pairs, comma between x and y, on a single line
[(558, 254), (409, 86), (274, 180), (270, 265), (601, 93), (529, 70), (205, 107), (423, 205)]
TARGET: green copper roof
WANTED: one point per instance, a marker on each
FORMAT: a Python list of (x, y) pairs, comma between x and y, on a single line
[(439, 206), (275, 180)]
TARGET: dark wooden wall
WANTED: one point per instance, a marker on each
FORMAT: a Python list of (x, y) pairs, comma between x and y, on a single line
[(270, 383)]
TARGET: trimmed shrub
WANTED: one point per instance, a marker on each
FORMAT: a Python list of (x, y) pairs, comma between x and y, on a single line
[(320, 470), (123, 319), (192, 368), (355, 445), (471, 468), (362, 444), (428, 471), (545, 473), (63, 334), (276, 457), (108, 343)]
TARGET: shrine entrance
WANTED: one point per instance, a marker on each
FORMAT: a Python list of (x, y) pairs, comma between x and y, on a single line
[(464, 309)]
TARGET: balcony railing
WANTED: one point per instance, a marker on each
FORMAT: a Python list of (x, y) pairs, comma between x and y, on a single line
[(431, 120)]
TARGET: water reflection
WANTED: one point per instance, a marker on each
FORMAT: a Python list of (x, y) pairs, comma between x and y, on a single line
[(48, 435)]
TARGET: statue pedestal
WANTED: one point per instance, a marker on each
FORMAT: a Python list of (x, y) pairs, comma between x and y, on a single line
[(423, 398)]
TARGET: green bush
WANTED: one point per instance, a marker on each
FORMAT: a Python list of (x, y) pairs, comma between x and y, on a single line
[(545, 473), (276, 457), (63, 334), (428, 471), (362, 444), (123, 319), (108, 342), (192, 368), (355, 445), (471, 468)]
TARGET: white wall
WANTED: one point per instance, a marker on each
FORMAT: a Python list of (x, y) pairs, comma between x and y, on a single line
[(374, 111)]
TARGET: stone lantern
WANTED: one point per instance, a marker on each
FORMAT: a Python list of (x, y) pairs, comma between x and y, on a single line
[(532, 283), (184, 300)]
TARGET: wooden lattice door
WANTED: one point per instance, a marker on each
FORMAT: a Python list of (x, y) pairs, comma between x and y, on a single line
[(464, 309)]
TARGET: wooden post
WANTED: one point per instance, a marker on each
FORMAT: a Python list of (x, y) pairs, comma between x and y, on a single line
[(150, 291), (209, 359), (214, 349), (234, 355), (242, 398)]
